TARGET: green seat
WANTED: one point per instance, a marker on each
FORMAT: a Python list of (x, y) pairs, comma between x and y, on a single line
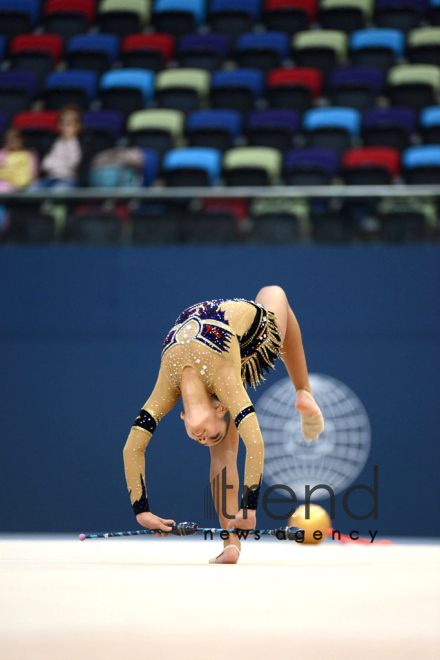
[(423, 45), (365, 6), (140, 7), (182, 89), (345, 15), (423, 36), (156, 129), (252, 166), (414, 85), (320, 49), (123, 17)]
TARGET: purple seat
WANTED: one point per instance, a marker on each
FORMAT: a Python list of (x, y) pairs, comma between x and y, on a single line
[(17, 90), (356, 86), (203, 51), (273, 128), (111, 121), (310, 166), (388, 127)]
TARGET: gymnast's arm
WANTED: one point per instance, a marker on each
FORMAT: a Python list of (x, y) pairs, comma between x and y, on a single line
[(231, 392), (162, 400)]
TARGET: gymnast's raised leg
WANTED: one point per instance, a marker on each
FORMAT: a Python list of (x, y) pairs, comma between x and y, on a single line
[(275, 300)]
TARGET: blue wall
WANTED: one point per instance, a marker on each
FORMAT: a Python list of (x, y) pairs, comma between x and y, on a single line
[(80, 338)]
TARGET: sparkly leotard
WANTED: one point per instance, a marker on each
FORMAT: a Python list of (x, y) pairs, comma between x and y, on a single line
[(229, 343)]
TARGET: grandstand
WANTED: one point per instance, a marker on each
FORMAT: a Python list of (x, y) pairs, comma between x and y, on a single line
[(291, 101)]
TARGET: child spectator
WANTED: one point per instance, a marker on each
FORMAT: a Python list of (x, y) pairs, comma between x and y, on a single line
[(61, 163), (18, 166)]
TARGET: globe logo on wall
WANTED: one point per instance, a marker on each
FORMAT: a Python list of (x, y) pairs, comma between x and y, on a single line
[(338, 455)]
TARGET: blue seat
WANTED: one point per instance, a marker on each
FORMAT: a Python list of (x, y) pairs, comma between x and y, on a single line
[(234, 17), (96, 52), (127, 90), (237, 89), (388, 127), (400, 14), (17, 90), (3, 43), (332, 128), (151, 166), (18, 16), (203, 51), (310, 166), (194, 166), (263, 50), (73, 86), (378, 47), (421, 165), (213, 128), (178, 17), (429, 121), (356, 86), (273, 128)]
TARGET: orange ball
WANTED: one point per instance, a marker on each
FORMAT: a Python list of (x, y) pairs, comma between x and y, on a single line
[(319, 521)]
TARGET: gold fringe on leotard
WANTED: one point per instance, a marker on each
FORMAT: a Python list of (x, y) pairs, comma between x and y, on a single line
[(260, 347)]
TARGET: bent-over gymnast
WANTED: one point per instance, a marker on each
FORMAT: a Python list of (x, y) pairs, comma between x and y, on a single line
[(215, 349)]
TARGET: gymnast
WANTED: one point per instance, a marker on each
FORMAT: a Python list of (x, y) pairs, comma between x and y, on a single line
[(215, 349)]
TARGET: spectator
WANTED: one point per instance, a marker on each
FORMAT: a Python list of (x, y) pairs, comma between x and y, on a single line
[(17, 165), (61, 163)]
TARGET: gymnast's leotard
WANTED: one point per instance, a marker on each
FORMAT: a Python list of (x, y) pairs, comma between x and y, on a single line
[(230, 343)]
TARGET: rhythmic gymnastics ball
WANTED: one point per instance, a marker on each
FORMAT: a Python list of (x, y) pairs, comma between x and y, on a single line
[(319, 521)]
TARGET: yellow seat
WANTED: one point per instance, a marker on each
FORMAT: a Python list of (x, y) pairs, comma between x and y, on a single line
[(265, 159), (332, 39)]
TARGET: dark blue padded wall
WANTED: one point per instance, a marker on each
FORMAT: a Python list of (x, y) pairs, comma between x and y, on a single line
[(81, 333)]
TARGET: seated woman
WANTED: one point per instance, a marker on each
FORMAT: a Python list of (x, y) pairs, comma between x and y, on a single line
[(213, 351)]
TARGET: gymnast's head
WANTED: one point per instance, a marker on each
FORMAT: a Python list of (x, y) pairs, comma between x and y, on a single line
[(208, 425)]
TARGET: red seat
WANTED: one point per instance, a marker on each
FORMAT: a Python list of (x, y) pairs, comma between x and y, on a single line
[(45, 43), (309, 7), (373, 158), (85, 7), (45, 120), (162, 43), (236, 207), (298, 77)]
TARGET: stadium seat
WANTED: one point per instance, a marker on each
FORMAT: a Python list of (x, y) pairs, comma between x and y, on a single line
[(147, 51), (235, 207), (39, 129), (399, 14), (263, 50), (18, 16), (233, 17), (123, 17), (252, 166), (98, 228), (388, 127), (36, 52), (371, 166), (102, 128), (31, 227), (414, 85), (68, 17), (126, 90), (237, 89), (333, 128), (320, 49), (4, 122), (213, 228), (429, 121), (294, 88), (17, 90), (356, 86), (74, 86), (273, 229), (421, 165), (289, 15), (405, 226), (3, 45), (423, 45), (194, 166), (178, 17), (331, 227), (310, 166), (345, 15), (377, 47), (155, 224), (213, 128), (434, 13), (272, 128), (182, 89), (155, 129), (203, 51), (96, 52)]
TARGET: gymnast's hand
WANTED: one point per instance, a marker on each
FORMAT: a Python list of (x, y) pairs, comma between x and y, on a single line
[(240, 522), (148, 519)]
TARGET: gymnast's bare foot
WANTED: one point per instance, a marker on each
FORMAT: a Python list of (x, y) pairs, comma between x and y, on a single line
[(229, 555), (312, 422)]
